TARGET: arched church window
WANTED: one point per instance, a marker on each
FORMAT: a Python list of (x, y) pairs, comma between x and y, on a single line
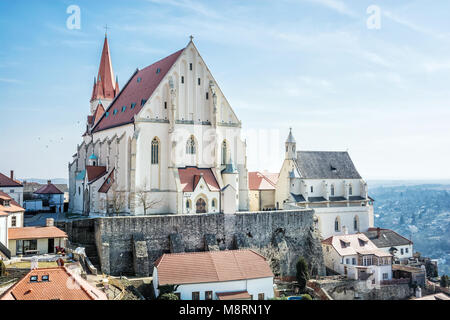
[(155, 151), (332, 190), (190, 146), (187, 204), (337, 224), (350, 189), (356, 223), (224, 152), (201, 206), (213, 203)]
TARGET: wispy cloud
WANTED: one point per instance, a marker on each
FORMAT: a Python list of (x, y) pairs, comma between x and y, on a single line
[(193, 6), (336, 5), (8, 80)]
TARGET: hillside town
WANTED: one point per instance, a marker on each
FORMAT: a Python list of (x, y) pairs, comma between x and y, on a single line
[(160, 205)]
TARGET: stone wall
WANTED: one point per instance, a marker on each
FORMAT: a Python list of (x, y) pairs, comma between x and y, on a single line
[(281, 236)]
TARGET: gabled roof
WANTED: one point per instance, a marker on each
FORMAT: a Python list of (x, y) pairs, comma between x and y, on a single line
[(99, 111), (262, 181), (13, 205), (211, 266), (108, 183), (61, 285), (326, 165), (237, 295), (35, 233), (388, 238), (139, 88), (190, 176), (352, 244), (95, 172), (8, 182), (48, 189)]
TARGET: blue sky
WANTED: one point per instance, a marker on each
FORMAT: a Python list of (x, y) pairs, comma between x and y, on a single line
[(312, 65)]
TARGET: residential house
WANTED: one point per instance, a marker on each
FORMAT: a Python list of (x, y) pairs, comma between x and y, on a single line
[(51, 196), (12, 187), (53, 284), (390, 241), (36, 240), (262, 186), (356, 257), (11, 216), (215, 275)]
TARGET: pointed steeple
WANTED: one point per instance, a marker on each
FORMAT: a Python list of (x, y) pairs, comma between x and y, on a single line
[(290, 146), (105, 87)]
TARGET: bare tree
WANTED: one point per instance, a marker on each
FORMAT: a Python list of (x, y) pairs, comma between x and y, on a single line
[(146, 200), (116, 201)]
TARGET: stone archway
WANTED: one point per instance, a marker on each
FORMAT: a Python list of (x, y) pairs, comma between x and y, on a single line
[(200, 206)]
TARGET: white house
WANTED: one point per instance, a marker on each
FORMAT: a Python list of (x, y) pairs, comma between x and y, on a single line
[(168, 125), (52, 197), (12, 187), (215, 275), (11, 216), (328, 182), (262, 187), (390, 241), (356, 257)]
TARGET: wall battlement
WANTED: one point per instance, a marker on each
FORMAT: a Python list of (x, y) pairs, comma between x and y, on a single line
[(281, 236)]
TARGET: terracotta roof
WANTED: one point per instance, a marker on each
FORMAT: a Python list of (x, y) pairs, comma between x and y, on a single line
[(104, 86), (61, 285), (48, 189), (211, 266), (35, 233), (353, 244), (140, 87), (190, 176), (8, 182), (108, 183), (262, 181), (95, 172), (238, 295), (98, 113), (13, 205)]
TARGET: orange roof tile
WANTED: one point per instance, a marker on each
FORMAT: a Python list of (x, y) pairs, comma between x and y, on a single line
[(190, 176), (8, 182), (262, 181), (238, 295), (13, 207), (61, 285), (35, 233), (212, 266)]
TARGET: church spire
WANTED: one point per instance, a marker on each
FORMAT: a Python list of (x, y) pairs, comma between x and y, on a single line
[(290, 146), (105, 87)]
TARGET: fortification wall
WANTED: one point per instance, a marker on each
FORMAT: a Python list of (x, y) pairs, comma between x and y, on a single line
[(281, 236)]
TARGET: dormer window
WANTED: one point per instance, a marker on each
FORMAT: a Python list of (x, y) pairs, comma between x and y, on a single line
[(133, 105), (143, 101), (139, 79), (34, 279), (106, 114), (124, 108), (333, 168), (45, 278), (158, 70), (115, 111)]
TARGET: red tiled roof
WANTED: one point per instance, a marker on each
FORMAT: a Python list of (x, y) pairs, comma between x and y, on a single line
[(107, 184), (13, 205), (8, 182), (135, 92), (211, 266), (238, 295), (35, 233), (190, 176), (262, 181), (95, 172), (48, 189), (62, 285), (98, 113), (105, 86)]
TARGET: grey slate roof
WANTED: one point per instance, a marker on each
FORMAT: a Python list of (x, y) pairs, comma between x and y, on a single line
[(337, 199), (388, 238), (316, 199), (356, 198), (298, 197), (290, 138), (326, 165)]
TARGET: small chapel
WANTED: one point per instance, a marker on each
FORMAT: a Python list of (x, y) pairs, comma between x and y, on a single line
[(168, 142)]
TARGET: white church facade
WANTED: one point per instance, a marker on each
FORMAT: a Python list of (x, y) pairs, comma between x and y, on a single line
[(329, 183), (168, 142)]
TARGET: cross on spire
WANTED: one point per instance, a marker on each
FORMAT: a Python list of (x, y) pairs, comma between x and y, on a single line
[(191, 37), (106, 30)]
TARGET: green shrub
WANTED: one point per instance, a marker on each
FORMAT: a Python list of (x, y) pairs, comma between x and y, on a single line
[(445, 281), (306, 297), (168, 296), (302, 274)]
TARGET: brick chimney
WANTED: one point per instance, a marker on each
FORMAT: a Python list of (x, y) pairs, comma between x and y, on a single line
[(12, 174), (49, 181), (378, 232)]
